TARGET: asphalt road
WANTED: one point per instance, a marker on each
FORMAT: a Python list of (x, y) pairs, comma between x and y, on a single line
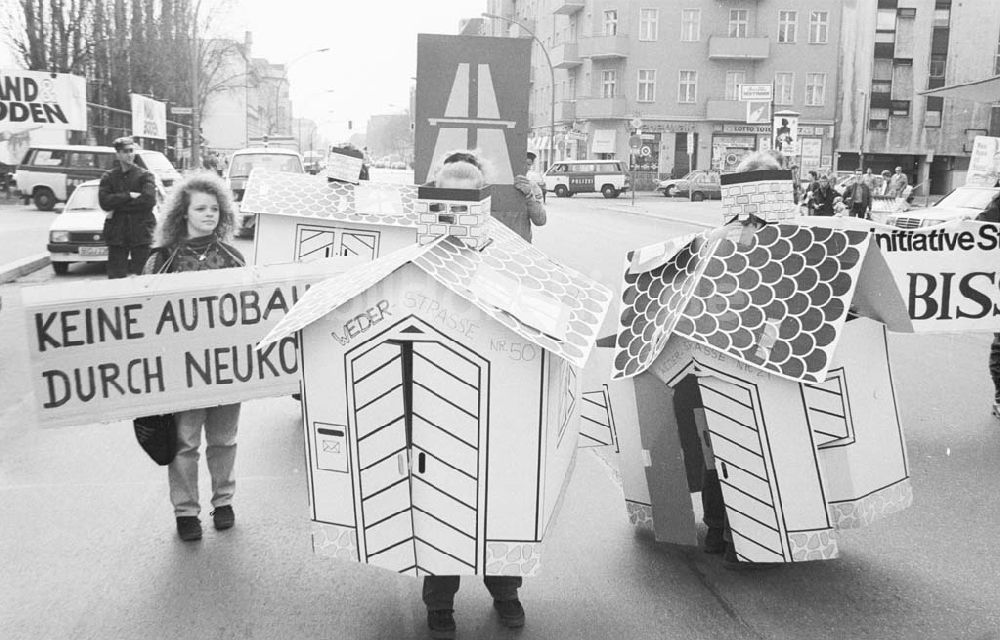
[(88, 548)]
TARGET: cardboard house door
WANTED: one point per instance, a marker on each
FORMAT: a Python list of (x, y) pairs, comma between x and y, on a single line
[(740, 449), (420, 408)]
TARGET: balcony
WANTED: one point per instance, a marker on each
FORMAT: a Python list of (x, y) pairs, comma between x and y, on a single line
[(723, 48), (566, 111), (597, 47), (565, 56), (726, 111), (568, 7), (601, 108)]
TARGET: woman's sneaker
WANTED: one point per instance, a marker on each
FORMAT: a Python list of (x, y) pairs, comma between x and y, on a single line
[(189, 528)]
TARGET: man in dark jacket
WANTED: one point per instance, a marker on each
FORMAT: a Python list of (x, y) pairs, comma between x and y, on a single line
[(822, 198), (858, 196), (128, 194)]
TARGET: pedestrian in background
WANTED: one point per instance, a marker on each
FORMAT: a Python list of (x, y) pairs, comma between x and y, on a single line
[(463, 170), (882, 189), (858, 196), (128, 194), (898, 183), (192, 237), (533, 174), (823, 197)]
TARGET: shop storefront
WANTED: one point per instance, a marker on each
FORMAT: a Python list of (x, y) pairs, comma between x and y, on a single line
[(732, 142)]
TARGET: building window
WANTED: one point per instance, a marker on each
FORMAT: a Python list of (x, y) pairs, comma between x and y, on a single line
[(739, 20), (787, 22), (609, 83), (819, 27), (885, 20), (878, 119), (648, 24), (996, 61), (883, 87), (647, 85), (932, 115), (571, 88), (611, 22), (687, 87), (733, 81), (899, 108), (938, 64), (815, 89), (690, 25), (942, 17), (784, 88)]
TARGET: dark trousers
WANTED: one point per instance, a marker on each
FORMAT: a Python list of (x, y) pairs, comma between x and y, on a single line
[(995, 365), (713, 507), (124, 260), (439, 591), (858, 210)]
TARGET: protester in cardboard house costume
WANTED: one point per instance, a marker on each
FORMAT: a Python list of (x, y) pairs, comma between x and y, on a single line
[(719, 538), (128, 194), (463, 170), (519, 220), (191, 237)]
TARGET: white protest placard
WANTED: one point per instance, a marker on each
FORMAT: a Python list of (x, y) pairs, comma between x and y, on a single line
[(163, 343), (984, 164), (41, 100), (149, 118)]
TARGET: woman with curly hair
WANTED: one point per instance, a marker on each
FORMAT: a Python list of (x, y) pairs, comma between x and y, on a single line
[(191, 237)]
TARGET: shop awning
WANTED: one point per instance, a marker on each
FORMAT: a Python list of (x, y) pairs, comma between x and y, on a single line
[(986, 90)]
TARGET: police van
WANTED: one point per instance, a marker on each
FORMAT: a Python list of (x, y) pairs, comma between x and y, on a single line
[(570, 177), (48, 173)]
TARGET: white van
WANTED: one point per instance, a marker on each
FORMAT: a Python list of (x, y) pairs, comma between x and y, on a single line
[(570, 177), (243, 162)]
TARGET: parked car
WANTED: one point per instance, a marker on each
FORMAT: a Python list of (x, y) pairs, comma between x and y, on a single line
[(77, 235), (48, 173), (243, 162), (570, 177), (964, 203), (698, 185)]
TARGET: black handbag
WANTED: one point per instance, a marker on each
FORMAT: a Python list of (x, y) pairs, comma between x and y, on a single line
[(157, 435)]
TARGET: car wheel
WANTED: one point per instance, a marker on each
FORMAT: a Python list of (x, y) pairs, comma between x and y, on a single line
[(561, 191), (61, 268), (670, 191), (45, 200), (608, 191), (697, 196)]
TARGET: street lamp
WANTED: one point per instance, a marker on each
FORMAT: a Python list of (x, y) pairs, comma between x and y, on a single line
[(552, 81), (864, 128)]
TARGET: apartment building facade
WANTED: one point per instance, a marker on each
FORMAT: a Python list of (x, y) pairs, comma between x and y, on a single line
[(674, 69), (893, 49)]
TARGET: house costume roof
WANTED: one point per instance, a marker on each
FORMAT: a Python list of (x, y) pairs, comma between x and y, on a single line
[(540, 299), (776, 298), (301, 194)]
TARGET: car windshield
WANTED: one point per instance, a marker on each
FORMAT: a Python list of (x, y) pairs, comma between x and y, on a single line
[(692, 175), (977, 199), (243, 164), (84, 197)]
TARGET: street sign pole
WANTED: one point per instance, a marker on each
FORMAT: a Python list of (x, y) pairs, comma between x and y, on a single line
[(634, 143)]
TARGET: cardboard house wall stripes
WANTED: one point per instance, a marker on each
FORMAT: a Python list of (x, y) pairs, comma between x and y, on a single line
[(441, 391)]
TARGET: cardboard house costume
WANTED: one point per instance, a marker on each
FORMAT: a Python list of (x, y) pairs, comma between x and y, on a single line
[(441, 385), (760, 352), (301, 217)]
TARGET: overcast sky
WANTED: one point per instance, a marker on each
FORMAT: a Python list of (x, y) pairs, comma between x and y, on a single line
[(372, 57)]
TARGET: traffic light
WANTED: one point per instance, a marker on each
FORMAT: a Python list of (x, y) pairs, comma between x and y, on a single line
[(350, 125)]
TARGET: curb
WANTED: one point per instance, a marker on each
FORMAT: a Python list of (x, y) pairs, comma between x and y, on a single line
[(24, 266)]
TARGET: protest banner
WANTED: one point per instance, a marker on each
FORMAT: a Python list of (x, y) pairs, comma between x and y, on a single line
[(984, 164), (39, 99), (149, 118), (163, 343)]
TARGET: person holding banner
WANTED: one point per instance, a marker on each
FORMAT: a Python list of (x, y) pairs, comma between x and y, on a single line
[(191, 237), (128, 194)]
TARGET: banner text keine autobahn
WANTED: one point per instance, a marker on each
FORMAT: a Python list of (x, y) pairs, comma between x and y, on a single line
[(986, 238)]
